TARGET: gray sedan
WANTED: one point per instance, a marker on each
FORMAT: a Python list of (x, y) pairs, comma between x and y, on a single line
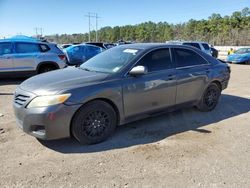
[(118, 86)]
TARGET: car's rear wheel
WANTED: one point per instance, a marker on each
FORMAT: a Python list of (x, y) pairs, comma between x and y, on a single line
[(46, 68), (94, 122), (247, 62), (210, 98)]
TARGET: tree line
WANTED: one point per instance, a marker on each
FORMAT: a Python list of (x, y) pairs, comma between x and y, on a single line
[(217, 30)]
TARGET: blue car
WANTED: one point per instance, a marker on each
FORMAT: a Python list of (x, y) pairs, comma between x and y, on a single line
[(242, 55), (78, 54)]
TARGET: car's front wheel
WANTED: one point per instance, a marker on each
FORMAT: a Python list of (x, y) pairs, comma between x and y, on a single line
[(210, 98), (94, 122)]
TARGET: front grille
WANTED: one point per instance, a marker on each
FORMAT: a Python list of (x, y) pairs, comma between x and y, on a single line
[(21, 99)]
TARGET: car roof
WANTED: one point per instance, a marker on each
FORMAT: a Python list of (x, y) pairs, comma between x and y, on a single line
[(148, 46), (84, 44), (24, 40)]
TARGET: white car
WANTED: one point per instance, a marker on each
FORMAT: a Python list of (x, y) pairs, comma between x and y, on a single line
[(203, 46)]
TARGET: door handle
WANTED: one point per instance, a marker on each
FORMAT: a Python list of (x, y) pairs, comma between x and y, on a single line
[(171, 77), (207, 70)]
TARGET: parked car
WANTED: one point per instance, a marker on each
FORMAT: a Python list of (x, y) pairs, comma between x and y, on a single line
[(104, 46), (65, 46), (25, 57), (118, 86), (214, 52), (78, 54), (241, 55), (203, 46)]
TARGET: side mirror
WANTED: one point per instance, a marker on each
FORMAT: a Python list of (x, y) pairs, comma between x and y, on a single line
[(138, 70)]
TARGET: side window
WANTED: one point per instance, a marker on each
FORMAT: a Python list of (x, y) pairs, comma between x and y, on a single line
[(205, 46), (185, 57), (27, 47), (44, 48), (157, 60), (5, 48)]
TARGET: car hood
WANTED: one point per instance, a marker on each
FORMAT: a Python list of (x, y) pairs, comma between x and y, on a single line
[(56, 81)]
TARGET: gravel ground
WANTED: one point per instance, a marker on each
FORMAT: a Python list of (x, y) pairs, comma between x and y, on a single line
[(186, 148)]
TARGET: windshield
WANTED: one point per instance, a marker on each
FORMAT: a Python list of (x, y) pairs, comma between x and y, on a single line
[(110, 61), (243, 51)]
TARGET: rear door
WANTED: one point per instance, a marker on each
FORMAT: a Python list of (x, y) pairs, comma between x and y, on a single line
[(192, 75), (154, 90), (26, 56)]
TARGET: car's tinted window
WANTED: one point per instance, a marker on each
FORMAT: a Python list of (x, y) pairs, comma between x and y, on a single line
[(205, 46), (196, 45), (186, 57), (157, 60), (44, 47), (5, 48), (27, 47)]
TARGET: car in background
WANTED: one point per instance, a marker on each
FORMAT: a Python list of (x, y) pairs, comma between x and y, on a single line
[(78, 54), (203, 46), (105, 46), (214, 52), (118, 86), (26, 57), (62, 46), (241, 55)]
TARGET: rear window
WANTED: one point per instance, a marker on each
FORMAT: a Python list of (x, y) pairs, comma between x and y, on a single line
[(196, 45), (27, 47), (205, 46), (44, 48)]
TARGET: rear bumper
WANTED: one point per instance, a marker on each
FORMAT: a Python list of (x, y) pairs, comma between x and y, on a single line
[(45, 123)]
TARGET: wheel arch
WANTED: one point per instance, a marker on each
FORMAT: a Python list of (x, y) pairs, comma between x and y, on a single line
[(110, 102), (44, 63), (218, 83)]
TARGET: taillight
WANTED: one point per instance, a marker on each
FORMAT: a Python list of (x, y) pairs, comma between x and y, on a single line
[(62, 57)]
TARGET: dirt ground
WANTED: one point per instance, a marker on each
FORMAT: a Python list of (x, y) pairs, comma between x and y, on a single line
[(186, 148)]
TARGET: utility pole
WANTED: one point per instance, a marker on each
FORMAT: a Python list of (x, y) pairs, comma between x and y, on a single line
[(89, 16), (39, 29)]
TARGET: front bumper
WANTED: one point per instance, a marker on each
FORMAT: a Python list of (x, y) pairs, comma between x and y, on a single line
[(45, 123)]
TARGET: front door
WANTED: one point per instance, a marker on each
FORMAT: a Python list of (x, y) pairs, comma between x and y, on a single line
[(6, 62), (154, 90)]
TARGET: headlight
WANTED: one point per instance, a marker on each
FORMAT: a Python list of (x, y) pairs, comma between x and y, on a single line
[(49, 100)]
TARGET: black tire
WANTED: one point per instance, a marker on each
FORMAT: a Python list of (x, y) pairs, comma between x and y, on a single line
[(209, 98), (94, 122), (247, 62), (46, 68)]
